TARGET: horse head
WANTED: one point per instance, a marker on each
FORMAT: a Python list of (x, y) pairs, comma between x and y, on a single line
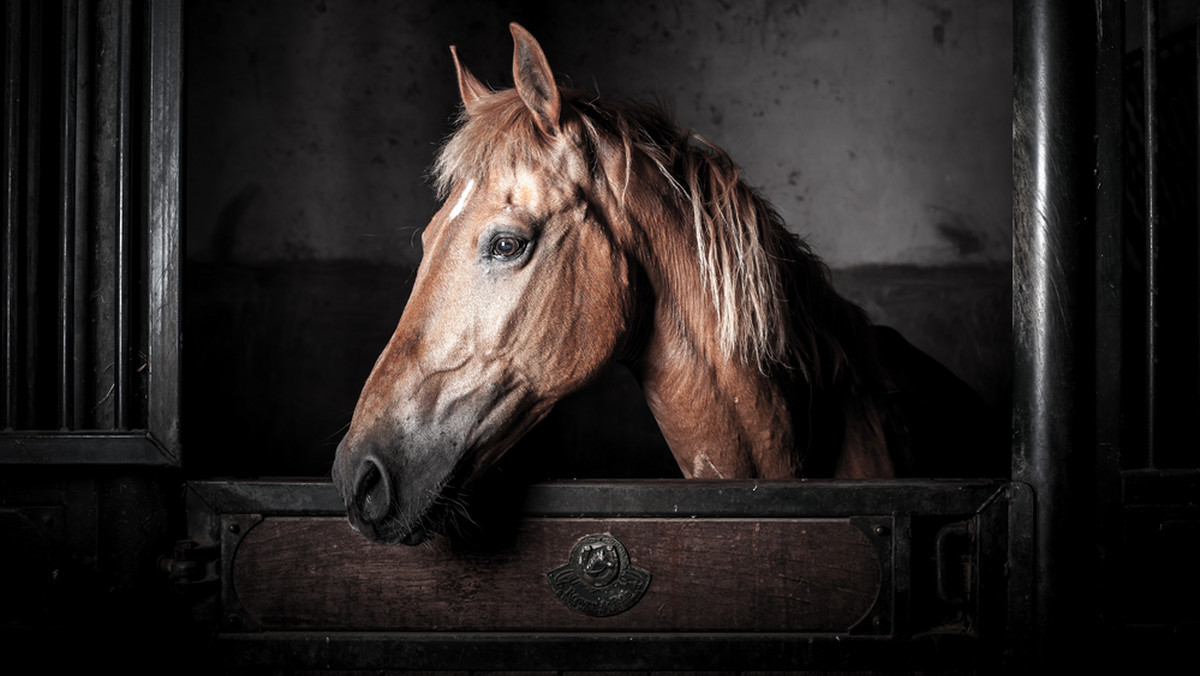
[(522, 296), (574, 233)]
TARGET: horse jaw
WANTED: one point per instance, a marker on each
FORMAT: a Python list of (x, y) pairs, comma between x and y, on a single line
[(409, 453)]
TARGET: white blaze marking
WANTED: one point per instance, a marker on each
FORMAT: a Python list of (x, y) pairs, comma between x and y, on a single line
[(462, 201)]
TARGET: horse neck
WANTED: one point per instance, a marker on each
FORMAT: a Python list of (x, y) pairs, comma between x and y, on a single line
[(721, 417), (725, 417), (720, 420)]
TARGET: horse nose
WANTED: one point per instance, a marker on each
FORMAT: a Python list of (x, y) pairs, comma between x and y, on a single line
[(373, 497)]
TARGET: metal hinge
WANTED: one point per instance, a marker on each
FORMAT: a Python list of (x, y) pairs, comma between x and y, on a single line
[(955, 547), (191, 562)]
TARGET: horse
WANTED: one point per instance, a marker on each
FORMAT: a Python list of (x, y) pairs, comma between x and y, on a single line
[(575, 233)]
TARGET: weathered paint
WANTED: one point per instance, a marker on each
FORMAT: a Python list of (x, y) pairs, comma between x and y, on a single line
[(880, 130)]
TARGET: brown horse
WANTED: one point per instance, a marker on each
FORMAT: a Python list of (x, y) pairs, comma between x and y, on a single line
[(575, 233)]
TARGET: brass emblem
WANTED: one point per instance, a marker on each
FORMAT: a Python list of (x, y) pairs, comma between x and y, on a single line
[(598, 579)]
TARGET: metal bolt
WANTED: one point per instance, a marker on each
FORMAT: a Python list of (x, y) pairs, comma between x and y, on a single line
[(882, 531)]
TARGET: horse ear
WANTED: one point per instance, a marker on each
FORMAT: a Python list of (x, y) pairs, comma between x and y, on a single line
[(535, 80), (469, 87)]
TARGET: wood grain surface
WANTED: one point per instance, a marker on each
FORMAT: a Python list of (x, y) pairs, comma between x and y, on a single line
[(708, 575)]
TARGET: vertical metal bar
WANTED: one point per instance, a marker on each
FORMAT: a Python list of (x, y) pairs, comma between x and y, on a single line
[(164, 225), (30, 320), (1109, 284), (105, 222), (122, 325), (82, 350), (97, 224), (14, 40), (1150, 109), (65, 356), (1053, 76)]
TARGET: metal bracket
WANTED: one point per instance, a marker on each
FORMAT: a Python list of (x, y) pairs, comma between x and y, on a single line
[(191, 562), (234, 528), (881, 532)]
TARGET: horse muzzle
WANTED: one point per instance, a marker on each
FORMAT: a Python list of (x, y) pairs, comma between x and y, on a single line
[(374, 505)]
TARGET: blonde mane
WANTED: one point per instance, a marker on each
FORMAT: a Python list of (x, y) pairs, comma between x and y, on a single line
[(772, 296)]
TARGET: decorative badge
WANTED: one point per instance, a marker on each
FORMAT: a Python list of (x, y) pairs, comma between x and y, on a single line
[(598, 579)]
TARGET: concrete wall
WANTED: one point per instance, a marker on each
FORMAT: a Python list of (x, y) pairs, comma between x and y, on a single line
[(880, 130)]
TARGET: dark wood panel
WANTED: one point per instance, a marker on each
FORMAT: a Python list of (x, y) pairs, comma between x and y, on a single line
[(708, 574)]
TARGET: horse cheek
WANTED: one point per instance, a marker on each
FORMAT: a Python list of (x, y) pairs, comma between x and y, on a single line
[(602, 318)]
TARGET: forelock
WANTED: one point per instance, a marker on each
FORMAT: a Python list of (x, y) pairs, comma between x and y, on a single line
[(499, 132)]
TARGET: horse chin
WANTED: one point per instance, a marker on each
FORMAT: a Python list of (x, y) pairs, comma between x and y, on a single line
[(401, 493), (390, 501), (393, 530), (395, 533)]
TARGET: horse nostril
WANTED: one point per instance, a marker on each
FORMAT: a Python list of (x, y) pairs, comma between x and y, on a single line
[(373, 493)]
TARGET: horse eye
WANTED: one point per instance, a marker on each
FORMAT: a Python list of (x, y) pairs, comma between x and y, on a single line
[(507, 247)]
